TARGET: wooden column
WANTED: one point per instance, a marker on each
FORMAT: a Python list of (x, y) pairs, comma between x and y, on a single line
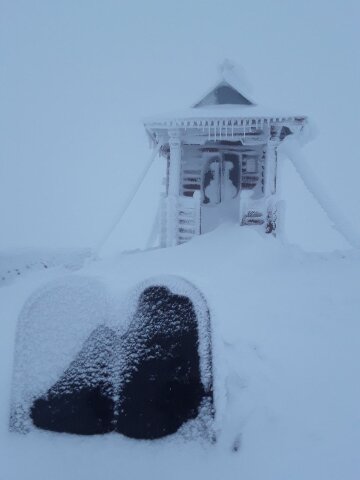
[(272, 219), (270, 168), (174, 188), (175, 162)]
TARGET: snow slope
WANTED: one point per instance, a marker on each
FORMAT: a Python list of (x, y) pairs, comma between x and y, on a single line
[(20, 262), (286, 331)]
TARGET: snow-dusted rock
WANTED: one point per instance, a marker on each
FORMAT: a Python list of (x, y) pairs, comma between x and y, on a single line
[(83, 365), (285, 361)]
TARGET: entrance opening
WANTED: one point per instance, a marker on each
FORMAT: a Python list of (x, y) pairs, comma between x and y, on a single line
[(221, 185)]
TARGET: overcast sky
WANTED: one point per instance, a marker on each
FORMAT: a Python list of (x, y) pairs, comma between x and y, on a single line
[(77, 77)]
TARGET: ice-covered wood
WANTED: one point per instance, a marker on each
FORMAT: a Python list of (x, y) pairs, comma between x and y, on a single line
[(218, 149)]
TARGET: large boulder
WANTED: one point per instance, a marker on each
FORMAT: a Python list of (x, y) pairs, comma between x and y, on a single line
[(144, 373)]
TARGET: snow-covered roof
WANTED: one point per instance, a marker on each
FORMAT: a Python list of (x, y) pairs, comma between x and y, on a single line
[(227, 100), (223, 94), (230, 89), (221, 112)]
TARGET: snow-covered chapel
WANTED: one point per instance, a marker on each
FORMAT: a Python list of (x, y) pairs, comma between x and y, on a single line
[(221, 159), (165, 343)]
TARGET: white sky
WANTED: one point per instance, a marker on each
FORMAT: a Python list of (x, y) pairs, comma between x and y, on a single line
[(78, 76)]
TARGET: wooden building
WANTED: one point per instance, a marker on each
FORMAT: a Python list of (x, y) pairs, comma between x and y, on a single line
[(221, 161)]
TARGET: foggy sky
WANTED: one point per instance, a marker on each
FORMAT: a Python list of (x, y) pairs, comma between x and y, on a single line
[(77, 77)]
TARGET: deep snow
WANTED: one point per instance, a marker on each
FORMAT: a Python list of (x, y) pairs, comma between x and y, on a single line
[(285, 328)]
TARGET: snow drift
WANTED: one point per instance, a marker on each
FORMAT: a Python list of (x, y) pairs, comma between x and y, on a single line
[(138, 363), (285, 361)]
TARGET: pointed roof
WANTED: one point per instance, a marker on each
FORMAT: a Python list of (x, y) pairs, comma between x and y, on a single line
[(231, 88), (228, 103)]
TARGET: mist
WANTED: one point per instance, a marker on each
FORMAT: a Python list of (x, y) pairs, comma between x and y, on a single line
[(78, 77)]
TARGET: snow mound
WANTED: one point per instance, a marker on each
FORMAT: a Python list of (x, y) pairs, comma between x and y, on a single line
[(285, 358), (53, 326), (83, 357)]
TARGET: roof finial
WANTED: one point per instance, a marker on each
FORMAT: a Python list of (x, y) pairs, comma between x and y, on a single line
[(226, 66), (234, 74)]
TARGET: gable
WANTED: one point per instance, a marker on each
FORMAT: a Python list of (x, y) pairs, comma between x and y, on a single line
[(223, 94)]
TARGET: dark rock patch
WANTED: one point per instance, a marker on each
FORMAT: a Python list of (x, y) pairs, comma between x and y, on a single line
[(163, 387), (145, 384), (81, 401)]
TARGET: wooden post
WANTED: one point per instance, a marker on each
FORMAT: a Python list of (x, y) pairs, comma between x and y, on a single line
[(270, 168), (174, 187), (270, 185), (175, 162)]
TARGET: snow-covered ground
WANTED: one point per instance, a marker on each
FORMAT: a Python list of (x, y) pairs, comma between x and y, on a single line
[(285, 323), (286, 330), (20, 262)]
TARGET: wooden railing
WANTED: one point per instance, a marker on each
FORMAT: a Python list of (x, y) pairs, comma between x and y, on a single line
[(180, 219)]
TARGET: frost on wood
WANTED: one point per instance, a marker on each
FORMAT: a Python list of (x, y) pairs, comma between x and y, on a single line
[(144, 375), (216, 152)]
